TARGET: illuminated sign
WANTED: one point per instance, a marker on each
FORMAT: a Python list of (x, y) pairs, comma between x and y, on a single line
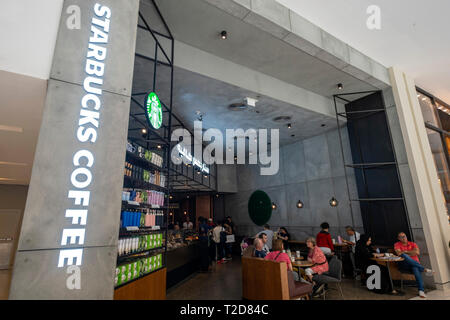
[(154, 110), (88, 123), (188, 156)]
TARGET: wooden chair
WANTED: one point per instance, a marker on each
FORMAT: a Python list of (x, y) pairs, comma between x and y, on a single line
[(268, 280)]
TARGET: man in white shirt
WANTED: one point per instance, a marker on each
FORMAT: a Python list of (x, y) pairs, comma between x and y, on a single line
[(269, 234), (353, 238), (220, 249), (187, 224)]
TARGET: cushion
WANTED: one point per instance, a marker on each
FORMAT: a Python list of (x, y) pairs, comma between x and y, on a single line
[(297, 288)]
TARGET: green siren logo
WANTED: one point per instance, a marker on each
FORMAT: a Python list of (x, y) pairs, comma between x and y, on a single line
[(154, 110)]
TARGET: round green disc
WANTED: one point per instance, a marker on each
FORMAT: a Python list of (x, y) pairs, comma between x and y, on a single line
[(154, 110), (259, 207)]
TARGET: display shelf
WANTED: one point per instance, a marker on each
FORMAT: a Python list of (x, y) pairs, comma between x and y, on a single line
[(141, 254), (142, 231), (142, 162), (140, 277), (126, 204), (130, 182)]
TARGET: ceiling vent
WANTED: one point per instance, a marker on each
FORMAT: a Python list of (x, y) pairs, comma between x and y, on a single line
[(282, 119), (238, 106)]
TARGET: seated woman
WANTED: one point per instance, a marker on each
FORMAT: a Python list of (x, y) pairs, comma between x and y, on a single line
[(323, 239), (364, 252), (284, 235), (277, 254), (317, 257)]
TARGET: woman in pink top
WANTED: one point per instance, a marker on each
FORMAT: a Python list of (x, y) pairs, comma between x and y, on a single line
[(278, 255), (317, 257)]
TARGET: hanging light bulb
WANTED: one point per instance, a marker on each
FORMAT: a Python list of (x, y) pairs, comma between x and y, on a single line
[(333, 202), (274, 206), (299, 204)]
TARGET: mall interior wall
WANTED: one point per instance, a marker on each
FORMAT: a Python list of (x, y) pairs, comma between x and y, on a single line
[(311, 170), (431, 225)]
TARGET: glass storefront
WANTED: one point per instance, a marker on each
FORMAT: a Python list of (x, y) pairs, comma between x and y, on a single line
[(436, 115)]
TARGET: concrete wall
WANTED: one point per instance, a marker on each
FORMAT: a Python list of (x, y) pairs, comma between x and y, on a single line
[(311, 170), (426, 208), (11, 197)]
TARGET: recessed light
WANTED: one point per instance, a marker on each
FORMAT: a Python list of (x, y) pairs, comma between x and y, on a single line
[(11, 128), (223, 35)]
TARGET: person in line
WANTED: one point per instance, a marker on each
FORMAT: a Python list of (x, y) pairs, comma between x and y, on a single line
[(364, 252), (269, 234), (317, 257), (228, 246), (283, 234), (409, 251), (187, 225), (277, 254), (218, 232), (259, 245), (323, 239), (203, 230), (231, 224), (264, 240), (353, 236), (211, 223)]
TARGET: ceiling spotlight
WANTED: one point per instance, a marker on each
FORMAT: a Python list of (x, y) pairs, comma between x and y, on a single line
[(171, 213), (299, 204), (235, 158), (289, 126), (144, 131), (170, 197), (187, 197), (198, 172), (223, 35), (217, 195), (158, 146), (333, 202), (340, 86), (185, 213), (206, 176), (274, 206)]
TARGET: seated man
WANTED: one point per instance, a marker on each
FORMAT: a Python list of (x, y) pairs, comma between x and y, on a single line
[(259, 246), (264, 240), (409, 251)]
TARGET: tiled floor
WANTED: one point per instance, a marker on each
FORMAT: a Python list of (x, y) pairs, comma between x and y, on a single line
[(224, 283)]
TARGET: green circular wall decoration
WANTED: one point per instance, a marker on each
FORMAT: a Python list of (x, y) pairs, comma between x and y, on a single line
[(154, 110), (259, 207)]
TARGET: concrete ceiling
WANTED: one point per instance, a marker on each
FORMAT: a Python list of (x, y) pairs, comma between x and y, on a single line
[(198, 24), (413, 35), (194, 92), (22, 103)]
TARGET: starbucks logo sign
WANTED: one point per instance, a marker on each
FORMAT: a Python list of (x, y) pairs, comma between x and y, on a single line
[(154, 110)]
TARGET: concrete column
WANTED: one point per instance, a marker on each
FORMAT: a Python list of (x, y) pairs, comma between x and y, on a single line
[(74, 198), (424, 176)]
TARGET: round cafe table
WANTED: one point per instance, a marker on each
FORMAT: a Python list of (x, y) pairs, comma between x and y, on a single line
[(300, 264), (386, 262)]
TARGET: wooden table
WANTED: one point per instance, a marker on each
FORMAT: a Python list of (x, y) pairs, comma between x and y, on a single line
[(299, 264), (386, 262)]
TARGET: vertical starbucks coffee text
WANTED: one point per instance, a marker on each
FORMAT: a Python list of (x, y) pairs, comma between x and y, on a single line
[(88, 124)]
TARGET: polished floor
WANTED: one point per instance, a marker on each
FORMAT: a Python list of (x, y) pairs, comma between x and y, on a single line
[(225, 283)]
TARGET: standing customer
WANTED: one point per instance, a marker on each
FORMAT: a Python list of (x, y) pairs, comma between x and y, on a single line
[(409, 251), (218, 233), (323, 239), (354, 237), (269, 234), (231, 224), (187, 225), (317, 257), (203, 229), (283, 234)]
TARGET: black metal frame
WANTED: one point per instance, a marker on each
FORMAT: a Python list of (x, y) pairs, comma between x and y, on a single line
[(364, 166)]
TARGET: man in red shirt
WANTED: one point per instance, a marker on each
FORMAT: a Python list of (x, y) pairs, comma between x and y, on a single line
[(409, 251)]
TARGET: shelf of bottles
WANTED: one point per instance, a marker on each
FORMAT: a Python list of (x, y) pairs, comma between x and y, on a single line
[(143, 222)]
